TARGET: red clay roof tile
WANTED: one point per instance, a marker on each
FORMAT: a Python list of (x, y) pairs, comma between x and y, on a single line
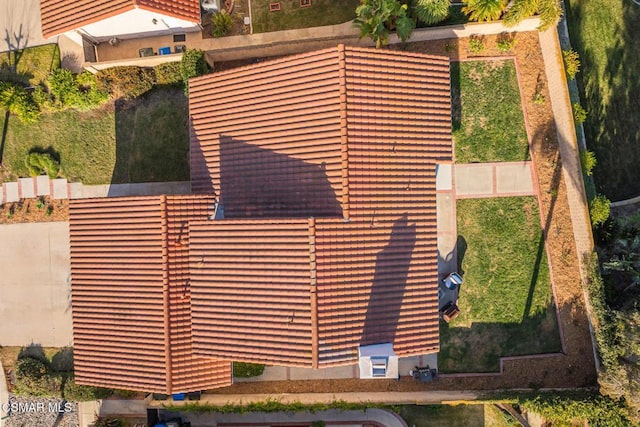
[(59, 16), (130, 295), (376, 122)]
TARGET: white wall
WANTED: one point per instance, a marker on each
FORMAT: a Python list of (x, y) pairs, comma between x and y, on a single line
[(137, 22)]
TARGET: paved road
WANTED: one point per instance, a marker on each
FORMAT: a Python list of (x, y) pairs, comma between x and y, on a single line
[(20, 24), (35, 302)]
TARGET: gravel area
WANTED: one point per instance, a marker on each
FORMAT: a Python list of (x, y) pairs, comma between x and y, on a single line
[(41, 412)]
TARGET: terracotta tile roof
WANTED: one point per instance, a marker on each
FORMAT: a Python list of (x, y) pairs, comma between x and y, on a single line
[(59, 16), (340, 133), (230, 261), (130, 295)]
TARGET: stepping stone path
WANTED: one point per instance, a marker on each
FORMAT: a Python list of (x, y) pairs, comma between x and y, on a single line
[(26, 188)]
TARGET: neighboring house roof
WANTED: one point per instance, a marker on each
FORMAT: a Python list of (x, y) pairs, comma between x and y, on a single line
[(60, 16), (130, 295), (350, 137)]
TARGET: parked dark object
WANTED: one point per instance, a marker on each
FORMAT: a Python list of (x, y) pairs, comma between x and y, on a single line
[(425, 374), (449, 312)]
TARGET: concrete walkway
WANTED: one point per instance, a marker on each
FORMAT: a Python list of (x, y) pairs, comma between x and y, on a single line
[(333, 416), (20, 25), (26, 188), (36, 293), (568, 144), (504, 179), (391, 398)]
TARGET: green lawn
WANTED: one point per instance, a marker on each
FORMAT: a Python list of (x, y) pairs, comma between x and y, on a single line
[(144, 140), (321, 12), (488, 123), (454, 416), (34, 64), (605, 35), (506, 300)]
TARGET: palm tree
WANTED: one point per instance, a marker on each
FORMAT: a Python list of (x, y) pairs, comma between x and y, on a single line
[(432, 11), (550, 13), (376, 18), (484, 10), (519, 10)]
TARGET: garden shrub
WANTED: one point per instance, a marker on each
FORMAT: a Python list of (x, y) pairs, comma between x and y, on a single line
[(432, 11), (125, 82), (579, 113), (38, 163), (108, 422), (168, 73), (505, 44), (567, 411), (588, 161), (549, 12), (192, 65), (222, 23), (599, 209), (67, 90), (571, 63), (16, 100), (476, 45), (83, 393), (34, 378), (246, 370)]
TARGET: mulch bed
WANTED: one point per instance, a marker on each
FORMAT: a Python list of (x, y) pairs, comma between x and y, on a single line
[(576, 367), (41, 209)]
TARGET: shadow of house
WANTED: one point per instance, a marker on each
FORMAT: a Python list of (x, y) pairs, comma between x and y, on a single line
[(260, 183), (152, 140), (388, 287)]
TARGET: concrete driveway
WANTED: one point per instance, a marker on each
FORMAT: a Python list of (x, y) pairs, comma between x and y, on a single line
[(35, 290), (20, 25)]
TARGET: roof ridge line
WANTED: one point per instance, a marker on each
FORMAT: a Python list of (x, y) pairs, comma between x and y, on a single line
[(165, 289), (344, 148), (313, 294)]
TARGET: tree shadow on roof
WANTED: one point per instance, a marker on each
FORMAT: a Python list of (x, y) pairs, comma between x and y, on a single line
[(389, 282)]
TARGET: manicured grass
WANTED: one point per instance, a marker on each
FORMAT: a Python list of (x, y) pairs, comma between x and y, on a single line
[(453, 416), (34, 64), (488, 123), (144, 140), (506, 300), (605, 35), (321, 12)]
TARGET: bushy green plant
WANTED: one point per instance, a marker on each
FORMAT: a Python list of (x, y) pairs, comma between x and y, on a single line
[(221, 24), (108, 422), (476, 45), (246, 370), (599, 209), (550, 12), (571, 63), (579, 113), (83, 393), (192, 65), (519, 10), (539, 99), (15, 99), (39, 163), (67, 90), (34, 379), (505, 44), (377, 18), (565, 411), (432, 11), (588, 161), (484, 10), (125, 82), (168, 74)]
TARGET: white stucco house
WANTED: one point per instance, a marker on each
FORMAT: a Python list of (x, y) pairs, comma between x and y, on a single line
[(98, 21)]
